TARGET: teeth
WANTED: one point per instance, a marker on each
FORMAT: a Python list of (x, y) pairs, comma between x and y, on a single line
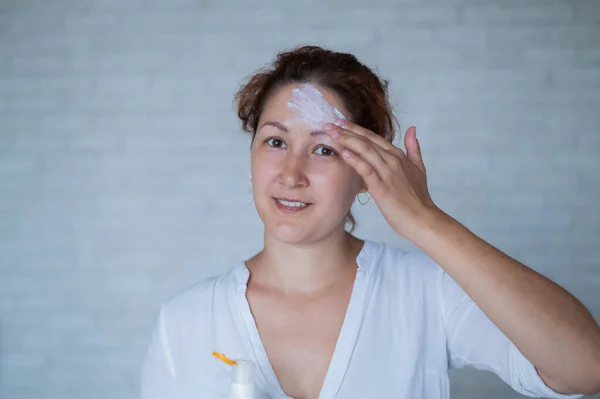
[(291, 203)]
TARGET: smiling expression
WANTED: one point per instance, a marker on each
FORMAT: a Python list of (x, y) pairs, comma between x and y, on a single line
[(292, 158)]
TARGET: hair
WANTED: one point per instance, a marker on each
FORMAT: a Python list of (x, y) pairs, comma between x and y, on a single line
[(363, 93)]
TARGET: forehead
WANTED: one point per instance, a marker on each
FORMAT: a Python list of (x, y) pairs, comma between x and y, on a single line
[(277, 104)]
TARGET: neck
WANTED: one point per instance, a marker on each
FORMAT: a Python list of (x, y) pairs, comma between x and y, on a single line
[(305, 268)]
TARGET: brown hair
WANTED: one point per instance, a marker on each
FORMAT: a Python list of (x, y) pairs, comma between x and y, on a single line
[(363, 93)]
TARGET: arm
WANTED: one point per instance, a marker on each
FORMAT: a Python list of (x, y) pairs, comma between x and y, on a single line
[(157, 380), (547, 324), (551, 327)]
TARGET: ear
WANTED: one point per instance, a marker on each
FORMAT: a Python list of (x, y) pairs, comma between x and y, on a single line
[(363, 186)]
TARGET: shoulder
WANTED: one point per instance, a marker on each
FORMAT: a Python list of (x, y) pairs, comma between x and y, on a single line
[(186, 322), (199, 301), (395, 261), (408, 283), (416, 269)]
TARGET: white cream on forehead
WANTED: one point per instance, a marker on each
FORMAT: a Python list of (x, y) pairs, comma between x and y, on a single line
[(312, 108)]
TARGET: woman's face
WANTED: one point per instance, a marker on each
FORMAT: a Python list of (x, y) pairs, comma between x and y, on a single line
[(292, 158)]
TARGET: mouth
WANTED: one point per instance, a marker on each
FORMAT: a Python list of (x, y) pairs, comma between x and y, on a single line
[(291, 205)]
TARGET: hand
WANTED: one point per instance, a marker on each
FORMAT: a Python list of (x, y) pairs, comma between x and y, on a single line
[(396, 181)]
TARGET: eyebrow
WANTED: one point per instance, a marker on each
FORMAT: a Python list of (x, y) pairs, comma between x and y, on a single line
[(282, 127)]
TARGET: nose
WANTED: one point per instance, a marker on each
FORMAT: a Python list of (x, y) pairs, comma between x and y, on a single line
[(293, 171)]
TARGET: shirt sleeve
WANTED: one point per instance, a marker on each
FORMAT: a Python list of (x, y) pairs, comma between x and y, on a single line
[(474, 340), (158, 374)]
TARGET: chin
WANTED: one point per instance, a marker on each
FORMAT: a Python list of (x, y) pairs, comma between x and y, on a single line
[(297, 234), (295, 229), (291, 234)]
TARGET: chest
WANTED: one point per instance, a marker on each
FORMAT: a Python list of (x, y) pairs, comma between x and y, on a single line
[(300, 336)]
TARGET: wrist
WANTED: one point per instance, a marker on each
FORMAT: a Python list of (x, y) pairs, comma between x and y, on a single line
[(428, 227)]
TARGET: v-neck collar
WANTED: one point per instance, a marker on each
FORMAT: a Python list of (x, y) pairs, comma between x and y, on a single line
[(346, 341)]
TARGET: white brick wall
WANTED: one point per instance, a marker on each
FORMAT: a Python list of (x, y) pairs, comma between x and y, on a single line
[(124, 176)]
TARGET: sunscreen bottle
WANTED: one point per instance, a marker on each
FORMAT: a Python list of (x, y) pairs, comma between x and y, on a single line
[(243, 380)]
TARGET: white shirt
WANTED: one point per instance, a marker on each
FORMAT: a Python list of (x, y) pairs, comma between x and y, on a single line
[(407, 322)]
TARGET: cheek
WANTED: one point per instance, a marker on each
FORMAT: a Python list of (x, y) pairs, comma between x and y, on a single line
[(337, 183), (262, 166)]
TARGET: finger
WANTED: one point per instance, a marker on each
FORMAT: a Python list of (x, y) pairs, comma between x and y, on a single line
[(342, 136), (331, 129), (413, 148), (361, 131), (363, 147), (375, 138), (369, 174)]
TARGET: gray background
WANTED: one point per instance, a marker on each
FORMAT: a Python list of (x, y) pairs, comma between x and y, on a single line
[(124, 173)]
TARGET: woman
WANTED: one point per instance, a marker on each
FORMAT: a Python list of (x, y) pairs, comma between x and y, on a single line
[(324, 314)]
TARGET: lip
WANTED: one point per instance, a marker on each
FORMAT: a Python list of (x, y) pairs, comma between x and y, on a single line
[(290, 209), (292, 200)]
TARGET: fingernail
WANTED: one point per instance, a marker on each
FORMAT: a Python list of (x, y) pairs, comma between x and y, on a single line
[(339, 122), (328, 127), (335, 135)]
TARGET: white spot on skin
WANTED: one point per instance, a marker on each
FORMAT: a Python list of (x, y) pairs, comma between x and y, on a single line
[(312, 108)]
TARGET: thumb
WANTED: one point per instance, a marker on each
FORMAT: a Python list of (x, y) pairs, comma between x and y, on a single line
[(413, 148)]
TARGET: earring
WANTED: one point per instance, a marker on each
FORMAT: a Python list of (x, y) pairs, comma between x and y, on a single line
[(363, 203), (250, 176)]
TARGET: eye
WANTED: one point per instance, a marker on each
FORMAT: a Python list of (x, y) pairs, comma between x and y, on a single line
[(275, 142), (327, 151)]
